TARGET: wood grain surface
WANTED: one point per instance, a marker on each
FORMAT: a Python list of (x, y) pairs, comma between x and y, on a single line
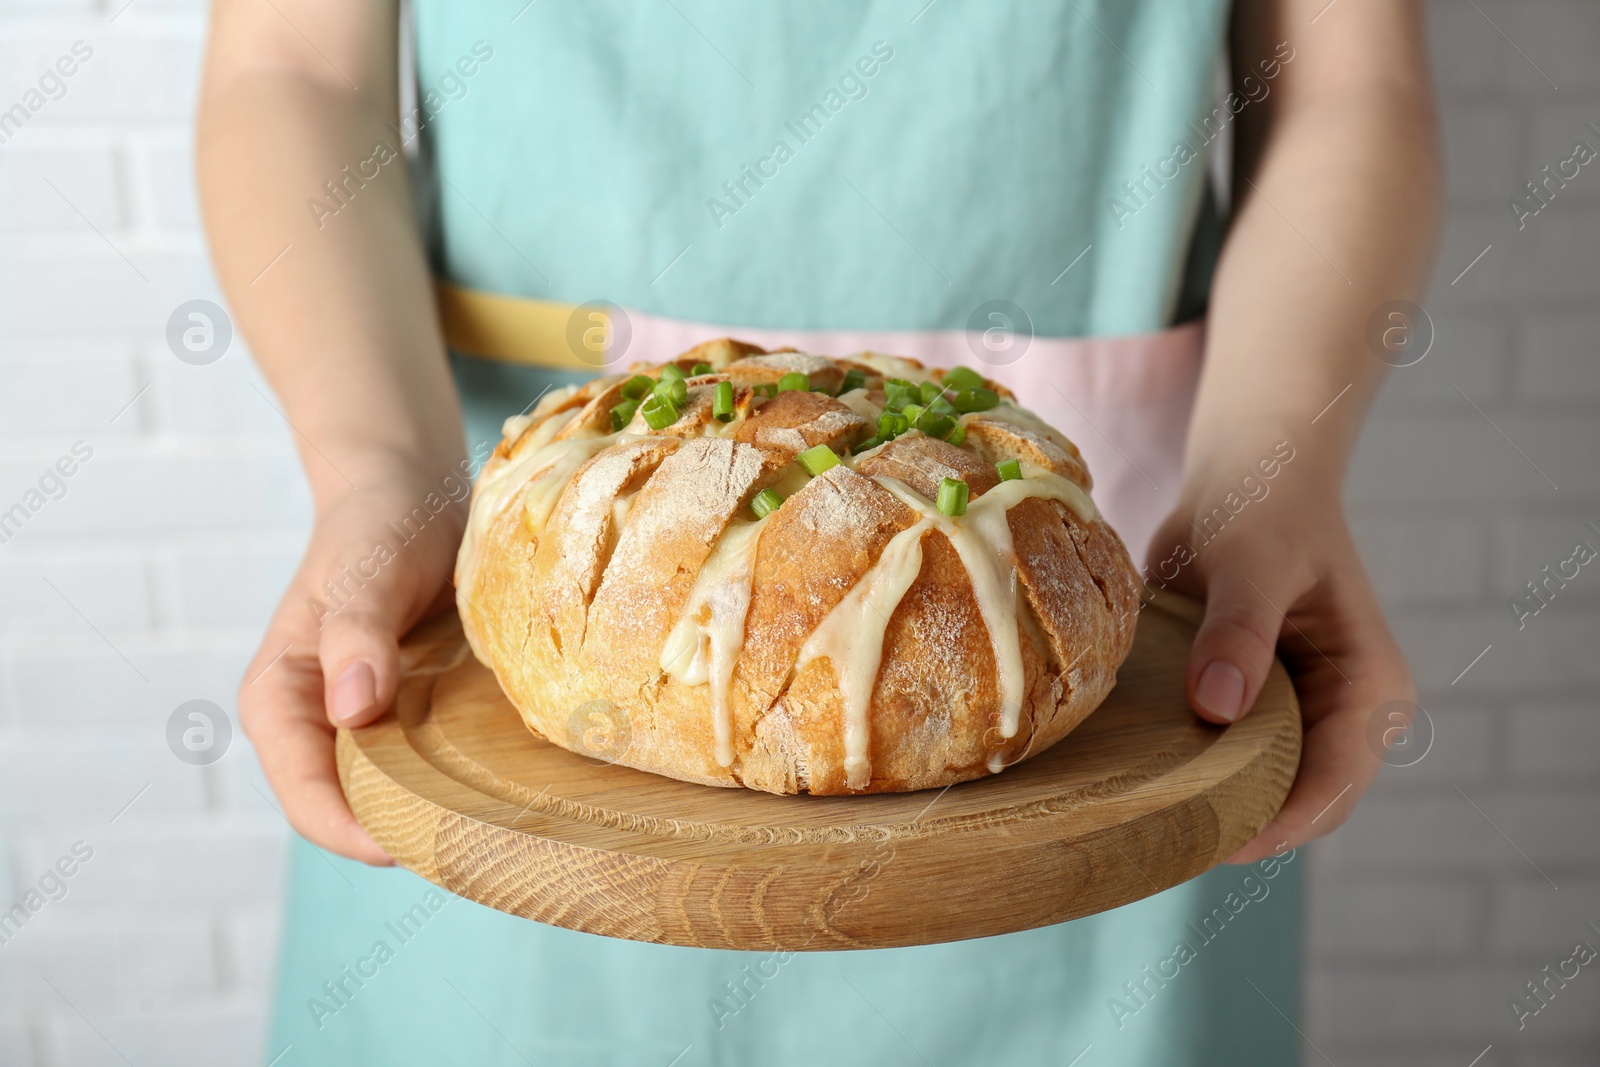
[(1140, 797)]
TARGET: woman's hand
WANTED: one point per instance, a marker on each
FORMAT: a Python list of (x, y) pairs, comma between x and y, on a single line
[(1319, 237), (1283, 575), (331, 655)]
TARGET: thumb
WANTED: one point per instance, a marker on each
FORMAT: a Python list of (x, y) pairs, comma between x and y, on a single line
[(360, 657), (1235, 646)]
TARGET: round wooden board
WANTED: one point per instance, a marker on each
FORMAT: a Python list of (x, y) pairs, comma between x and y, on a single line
[(1138, 798)]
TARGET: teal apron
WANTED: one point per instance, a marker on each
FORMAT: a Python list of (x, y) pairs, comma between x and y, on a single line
[(605, 151)]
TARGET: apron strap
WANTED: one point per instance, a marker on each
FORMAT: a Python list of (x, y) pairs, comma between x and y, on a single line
[(517, 329)]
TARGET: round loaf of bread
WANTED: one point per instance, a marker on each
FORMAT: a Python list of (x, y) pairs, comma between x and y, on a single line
[(830, 576)]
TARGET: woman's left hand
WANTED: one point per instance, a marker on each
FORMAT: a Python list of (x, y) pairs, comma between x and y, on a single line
[(1283, 576)]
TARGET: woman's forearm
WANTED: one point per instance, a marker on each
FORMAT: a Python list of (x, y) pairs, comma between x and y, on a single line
[(337, 307), (1336, 186)]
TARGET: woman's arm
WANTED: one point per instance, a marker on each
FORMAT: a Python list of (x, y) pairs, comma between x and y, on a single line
[(338, 311), (1336, 190), (1336, 182)]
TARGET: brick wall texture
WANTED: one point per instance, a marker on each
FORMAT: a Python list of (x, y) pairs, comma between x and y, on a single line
[(144, 583)]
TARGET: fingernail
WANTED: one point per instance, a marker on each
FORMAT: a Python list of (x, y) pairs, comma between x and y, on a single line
[(1221, 690), (353, 692)]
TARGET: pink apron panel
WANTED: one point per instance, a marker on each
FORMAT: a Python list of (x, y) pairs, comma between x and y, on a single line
[(1124, 401)]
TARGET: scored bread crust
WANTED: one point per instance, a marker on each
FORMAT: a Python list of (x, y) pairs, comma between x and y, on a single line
[(590, 554)]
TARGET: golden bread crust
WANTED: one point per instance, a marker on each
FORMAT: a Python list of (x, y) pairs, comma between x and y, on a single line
[(854, 639)]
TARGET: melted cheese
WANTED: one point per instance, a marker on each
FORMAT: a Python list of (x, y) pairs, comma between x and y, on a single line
[(1042, 482), (495, 485), (561, 461), (982, 539), (856, 400), (851, 637), (893, 366), (497, 482), (708, 637), (512, 428), (1022, 418)]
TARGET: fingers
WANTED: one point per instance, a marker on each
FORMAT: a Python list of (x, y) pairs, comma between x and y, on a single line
[(1236, 642), (281, 712), (340, 622), (1340, 755), (1336, 767), (363, 617), (359, 652)]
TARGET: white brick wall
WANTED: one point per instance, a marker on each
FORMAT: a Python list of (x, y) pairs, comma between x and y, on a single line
[(1424, 919), (165, 940), (175, 539)]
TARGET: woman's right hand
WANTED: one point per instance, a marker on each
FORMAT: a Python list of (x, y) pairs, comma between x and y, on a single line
[(331, 657), (346, 330)]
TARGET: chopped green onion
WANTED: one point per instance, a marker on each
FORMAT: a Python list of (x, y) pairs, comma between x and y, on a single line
[(637, 386), (722, 402), (956, 435), (964, 378), (673, 390), (898, 393), (853, 379), (765, 503), (671, 371), (868, 445), (794, 382), (928, 420), (892, 424), (702, 368), (659, 412), (953, 497), (930, 389), (1010, 470), (912, 413), (818, 459), (979, 399), (622, 414), (940, 406)]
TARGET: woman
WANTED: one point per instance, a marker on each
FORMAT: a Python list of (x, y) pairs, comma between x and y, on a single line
[(1019, 186)]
